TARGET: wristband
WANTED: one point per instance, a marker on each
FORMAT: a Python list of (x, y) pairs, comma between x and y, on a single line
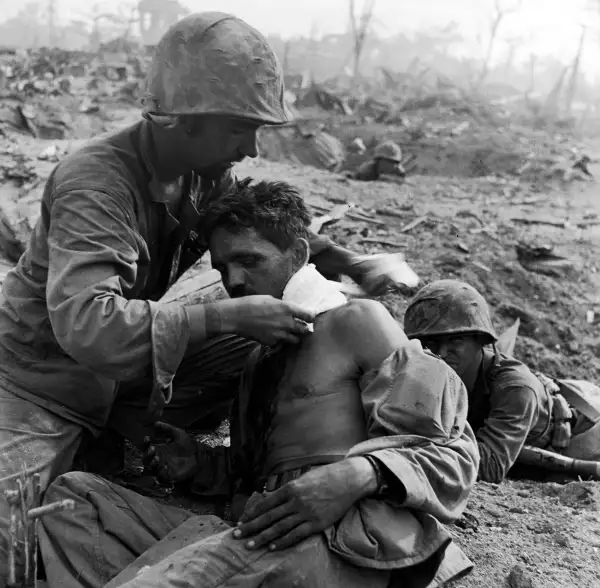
[(382, 486)]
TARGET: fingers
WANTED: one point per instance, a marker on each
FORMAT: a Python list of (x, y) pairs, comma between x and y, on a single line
[(256, 508), (264, 521), (274, 534), (299, 312), (293, 537)]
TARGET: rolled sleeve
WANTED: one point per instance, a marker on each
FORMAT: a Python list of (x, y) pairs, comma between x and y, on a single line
[(416, 410), (94, 250)]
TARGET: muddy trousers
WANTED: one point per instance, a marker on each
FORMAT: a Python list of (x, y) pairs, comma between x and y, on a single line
[(97, 545), (36, 440)]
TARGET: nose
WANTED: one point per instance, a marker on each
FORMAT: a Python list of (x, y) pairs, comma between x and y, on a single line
[(235, 279), (249, 145), (443, 350)]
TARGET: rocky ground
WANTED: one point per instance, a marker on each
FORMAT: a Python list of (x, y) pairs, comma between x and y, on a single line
[(544, 533)]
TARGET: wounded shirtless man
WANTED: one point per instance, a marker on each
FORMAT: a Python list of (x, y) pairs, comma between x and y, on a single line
[(348, 449)]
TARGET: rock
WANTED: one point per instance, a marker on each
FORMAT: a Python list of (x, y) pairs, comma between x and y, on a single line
[(562, 540), (468, 522), (519, 578), (51, 153), (543, 527)]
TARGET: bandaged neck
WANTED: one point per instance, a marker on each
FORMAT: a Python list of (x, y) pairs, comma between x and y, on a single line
[(308, 288)]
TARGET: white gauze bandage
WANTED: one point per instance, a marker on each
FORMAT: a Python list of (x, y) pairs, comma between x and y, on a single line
[(309, 289)]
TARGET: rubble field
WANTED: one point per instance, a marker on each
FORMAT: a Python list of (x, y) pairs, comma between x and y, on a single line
[(530, 244)]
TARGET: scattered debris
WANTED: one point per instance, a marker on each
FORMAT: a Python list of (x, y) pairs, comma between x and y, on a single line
[(541, 221), (336, 214), (25, 512), (482, 266), (413, 224), (541, 259), (382, 242)]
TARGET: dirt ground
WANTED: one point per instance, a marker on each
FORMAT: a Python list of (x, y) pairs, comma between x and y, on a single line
[(465, 229)]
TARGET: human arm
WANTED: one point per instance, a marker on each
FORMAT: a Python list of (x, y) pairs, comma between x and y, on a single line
[(513, 413), (93, 259)]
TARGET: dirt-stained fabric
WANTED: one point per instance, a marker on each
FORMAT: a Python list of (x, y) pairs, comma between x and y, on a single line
[(415, 409), (508, 408), (416, 412)]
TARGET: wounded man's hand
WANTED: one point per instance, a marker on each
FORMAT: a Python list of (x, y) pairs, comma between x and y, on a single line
[(305, 506), (171, 460)]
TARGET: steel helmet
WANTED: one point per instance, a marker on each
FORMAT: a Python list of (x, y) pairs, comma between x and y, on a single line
[(215, 63), (448, 307), (388, 150)]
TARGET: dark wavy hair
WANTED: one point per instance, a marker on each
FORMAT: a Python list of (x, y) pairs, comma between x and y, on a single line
[(275, 210)]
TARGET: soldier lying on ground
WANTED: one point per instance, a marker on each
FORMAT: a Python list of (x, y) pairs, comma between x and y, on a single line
[(387, 162), (509, 406), (351, 445), (82, 334)]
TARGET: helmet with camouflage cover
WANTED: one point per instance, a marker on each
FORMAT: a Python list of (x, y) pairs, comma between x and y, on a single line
[(388, 150), (215, 63), (448, 307)]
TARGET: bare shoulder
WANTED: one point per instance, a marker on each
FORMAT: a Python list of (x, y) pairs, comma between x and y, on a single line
[(359, 313), (367, 330)]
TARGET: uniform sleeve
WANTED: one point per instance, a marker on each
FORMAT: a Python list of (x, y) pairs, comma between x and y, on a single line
[(513, 414), (93, 256), (416, 410)]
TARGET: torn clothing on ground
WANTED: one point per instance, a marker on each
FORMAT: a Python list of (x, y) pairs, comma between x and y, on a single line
[(510, 407), (79, 313)]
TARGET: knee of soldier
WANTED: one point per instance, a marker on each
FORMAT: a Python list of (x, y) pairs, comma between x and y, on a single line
[(72, 485)]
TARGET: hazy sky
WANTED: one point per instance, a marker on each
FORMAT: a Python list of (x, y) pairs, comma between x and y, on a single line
[(545, 26)]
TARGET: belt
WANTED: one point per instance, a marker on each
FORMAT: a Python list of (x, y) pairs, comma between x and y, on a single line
[(277, 480)]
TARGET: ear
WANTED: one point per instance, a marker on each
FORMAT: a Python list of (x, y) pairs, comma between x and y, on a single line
[(300, 253)]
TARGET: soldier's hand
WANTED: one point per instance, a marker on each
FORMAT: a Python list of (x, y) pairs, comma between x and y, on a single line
[(269, 320), (173, 458), (306, 506)]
